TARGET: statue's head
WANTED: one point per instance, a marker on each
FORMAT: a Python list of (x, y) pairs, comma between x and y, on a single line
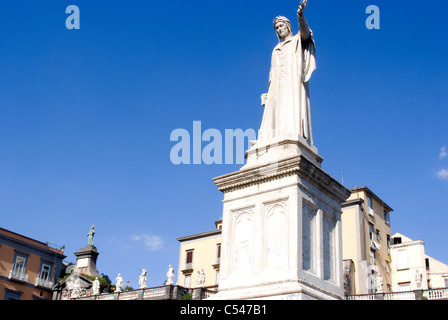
[(282, 27)]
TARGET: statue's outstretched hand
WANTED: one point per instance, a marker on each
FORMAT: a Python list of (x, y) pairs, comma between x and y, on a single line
[(302, 7)]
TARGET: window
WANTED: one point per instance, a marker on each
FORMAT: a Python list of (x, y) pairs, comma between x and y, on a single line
[(386, 217), (446, 282), (377, 233), (19, 267), (402, 260), (188, 266), (427, 263), (397, 240), (45, 272), (217, 277), (370, 205), (217, 260), (43, 278), (371, 231), (12, 294), (189, 257), (372, 256), (187, 283), (404, 286)]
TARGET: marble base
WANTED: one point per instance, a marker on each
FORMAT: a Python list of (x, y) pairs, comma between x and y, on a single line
[(281, 234), (261, 154), (276, 291)]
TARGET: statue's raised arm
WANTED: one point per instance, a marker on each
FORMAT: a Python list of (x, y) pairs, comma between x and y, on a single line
[(303, 25)]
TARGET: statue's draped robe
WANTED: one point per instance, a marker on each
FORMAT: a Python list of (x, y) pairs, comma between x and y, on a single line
[(287, 108)]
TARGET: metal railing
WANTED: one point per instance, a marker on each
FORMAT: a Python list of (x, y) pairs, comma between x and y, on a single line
[(21, 276), (43, 283)]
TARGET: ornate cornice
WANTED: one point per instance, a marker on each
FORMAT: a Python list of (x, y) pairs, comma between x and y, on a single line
[(28, 246), (297, 165)]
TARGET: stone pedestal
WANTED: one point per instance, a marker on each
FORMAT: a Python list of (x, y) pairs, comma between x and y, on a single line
[(280, 149), (86, 260), (281, 234)]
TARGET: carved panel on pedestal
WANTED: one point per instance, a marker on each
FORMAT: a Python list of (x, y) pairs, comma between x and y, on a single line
[(276, 237), (309, 234), (243, 241), (329, 226)]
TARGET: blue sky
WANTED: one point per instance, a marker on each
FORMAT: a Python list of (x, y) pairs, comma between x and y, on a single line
[(86, 115)]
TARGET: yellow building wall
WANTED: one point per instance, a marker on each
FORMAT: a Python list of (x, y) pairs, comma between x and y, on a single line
[(204, 256), (350, 244), (358, 248)]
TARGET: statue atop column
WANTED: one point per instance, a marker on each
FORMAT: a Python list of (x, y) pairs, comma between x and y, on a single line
[(287, 105), (91, 235)]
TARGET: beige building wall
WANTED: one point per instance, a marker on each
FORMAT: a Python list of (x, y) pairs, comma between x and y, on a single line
[(366, 241), (410, 264), (351, 244), (437, 273), (205, 255)]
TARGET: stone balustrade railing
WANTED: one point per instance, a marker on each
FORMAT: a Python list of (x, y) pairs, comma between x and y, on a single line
[(156, 293), (430, 294)]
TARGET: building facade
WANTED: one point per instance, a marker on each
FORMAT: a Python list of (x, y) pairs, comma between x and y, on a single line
[(413, 269), (28, 268), (199, 259), (366, 237)]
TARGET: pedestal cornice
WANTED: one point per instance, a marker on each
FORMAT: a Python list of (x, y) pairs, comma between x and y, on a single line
[(297, 165)]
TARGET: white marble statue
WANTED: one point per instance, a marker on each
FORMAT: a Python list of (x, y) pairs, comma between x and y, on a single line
[(69, 284), (142, 279), (119, 283), (170, 276), (379, 283), (96, 287), (201, 278), (76, 290), (418, 279), (287, 107)]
